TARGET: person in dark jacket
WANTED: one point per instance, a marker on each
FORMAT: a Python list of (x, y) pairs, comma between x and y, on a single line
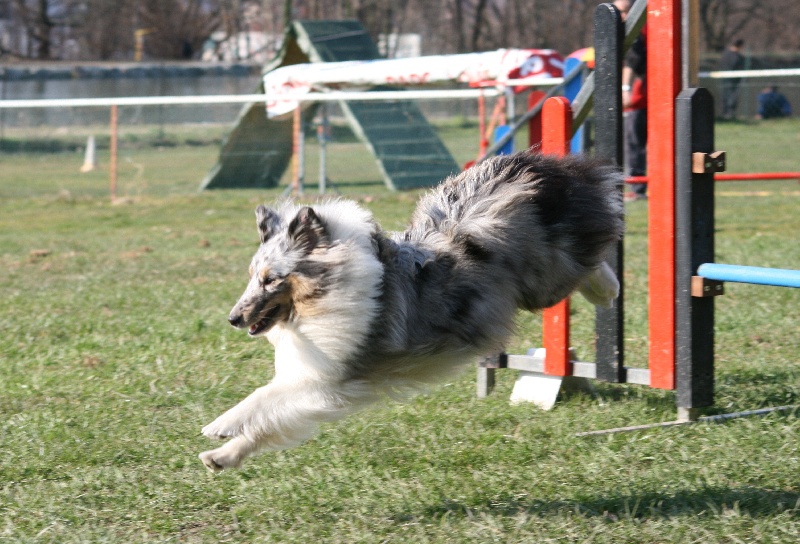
[(732, 59), (634, 103), (772, 104)]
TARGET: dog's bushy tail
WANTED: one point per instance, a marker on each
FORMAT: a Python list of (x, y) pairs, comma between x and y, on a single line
[(540, 224)]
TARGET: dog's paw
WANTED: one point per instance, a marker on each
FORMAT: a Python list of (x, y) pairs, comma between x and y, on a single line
[(601, 287), (218, 460), (218, 434), (221, 429)]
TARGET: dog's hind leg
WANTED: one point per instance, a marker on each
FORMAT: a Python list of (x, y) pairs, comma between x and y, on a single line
[(601, 287), (278, 416)]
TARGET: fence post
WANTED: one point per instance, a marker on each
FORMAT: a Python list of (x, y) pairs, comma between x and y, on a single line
[(298, 158), (112, 167), (609, 34), (323, 133), (483, 143), (694, 245)]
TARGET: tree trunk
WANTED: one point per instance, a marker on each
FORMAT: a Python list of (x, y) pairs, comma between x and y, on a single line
[(477, 25)]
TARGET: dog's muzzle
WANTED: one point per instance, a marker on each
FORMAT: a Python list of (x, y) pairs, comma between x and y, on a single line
[(237, 320), (264, 323)]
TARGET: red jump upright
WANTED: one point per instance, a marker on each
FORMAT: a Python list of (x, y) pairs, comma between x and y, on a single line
[(556, 134), (663, 86)]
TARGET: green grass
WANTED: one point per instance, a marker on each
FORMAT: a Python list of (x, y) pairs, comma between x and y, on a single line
[(115, 350)]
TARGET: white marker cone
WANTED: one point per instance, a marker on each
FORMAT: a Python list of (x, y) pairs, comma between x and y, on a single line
[(90, 159)]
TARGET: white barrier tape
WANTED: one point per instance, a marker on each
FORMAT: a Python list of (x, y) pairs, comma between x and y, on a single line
[(723, 74), (248, 98)]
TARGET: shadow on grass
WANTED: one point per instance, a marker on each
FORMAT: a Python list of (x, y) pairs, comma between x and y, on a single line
[(750, 389), (654, 398), (746, 501), (760, 388)]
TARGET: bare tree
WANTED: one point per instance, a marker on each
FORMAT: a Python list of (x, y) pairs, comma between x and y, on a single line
[(104, 29), (39, 20), (477, 25), (179, 27), (378, 16), (721, 20), (101, 31), (766, 25)]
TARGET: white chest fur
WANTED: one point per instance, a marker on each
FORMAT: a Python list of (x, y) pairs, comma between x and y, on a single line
[(297, 358)]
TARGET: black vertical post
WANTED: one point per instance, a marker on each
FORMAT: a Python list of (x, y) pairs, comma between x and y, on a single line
[(694, 245), (609, 33)]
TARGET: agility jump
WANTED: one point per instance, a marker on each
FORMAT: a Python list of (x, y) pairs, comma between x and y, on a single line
[(681, 174)]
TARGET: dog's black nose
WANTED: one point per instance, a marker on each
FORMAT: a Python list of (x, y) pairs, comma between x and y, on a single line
[(236, 320)]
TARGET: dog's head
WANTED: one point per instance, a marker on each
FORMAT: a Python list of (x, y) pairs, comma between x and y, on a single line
[(279, 272)]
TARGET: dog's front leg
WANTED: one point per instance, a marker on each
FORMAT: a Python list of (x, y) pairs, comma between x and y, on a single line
[(237, 423), (230, 455), (279, 416), (234, 421)]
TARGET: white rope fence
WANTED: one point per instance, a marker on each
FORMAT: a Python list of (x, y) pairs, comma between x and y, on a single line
[(335, 95), (114, 103), (250, 98), (724, 74), (330, 96)]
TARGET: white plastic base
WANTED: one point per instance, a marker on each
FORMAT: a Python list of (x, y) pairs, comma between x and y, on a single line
[(543, 390)]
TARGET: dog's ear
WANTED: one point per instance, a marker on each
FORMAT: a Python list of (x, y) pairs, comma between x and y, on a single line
[(268, 222), (307, 230)]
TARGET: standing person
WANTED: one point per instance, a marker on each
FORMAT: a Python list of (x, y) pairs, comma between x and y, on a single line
[(732, 59), (634, 103)]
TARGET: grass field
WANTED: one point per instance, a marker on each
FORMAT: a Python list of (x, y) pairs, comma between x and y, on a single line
[(115, 350)]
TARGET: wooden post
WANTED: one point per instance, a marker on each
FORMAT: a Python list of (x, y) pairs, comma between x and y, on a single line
[(113, 150), (322, 138), (297, 151), (483, 144), (557, 130)]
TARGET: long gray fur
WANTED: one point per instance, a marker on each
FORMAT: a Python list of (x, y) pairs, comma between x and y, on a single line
[(355, 313), (520, 231)]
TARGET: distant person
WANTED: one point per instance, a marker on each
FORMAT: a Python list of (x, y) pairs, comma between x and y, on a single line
[(772, 104), (732, 59), (634, 104)]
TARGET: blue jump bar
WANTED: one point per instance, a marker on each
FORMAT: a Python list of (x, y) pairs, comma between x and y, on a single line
[(750, 274)]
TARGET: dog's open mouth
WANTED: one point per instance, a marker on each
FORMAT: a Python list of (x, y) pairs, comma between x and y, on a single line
[(266, 322)]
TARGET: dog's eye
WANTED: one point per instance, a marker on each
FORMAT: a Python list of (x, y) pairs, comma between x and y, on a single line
[(269, 280)]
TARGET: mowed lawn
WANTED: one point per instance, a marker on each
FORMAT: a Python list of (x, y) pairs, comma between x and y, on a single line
[(115, 351)]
